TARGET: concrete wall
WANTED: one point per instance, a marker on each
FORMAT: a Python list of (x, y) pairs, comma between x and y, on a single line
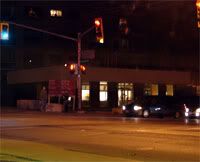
[(101, 74)]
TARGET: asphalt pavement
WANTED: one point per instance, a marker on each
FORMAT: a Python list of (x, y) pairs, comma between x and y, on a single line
[(36, 136)]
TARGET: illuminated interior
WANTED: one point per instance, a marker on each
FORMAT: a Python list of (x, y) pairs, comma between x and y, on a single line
[(85, 92), (55, 13), (103, 94), (151, 89), (169, 90)]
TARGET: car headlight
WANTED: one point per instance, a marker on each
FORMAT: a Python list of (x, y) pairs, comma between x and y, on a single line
[(136, 108), (186, 108), (123, 107), (198, 110)]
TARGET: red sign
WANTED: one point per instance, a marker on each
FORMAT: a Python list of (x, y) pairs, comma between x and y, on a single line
[(60, 87)]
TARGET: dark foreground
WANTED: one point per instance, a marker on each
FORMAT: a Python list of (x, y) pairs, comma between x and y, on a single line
[(35, 136)]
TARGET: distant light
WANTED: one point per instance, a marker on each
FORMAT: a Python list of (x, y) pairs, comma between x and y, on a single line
[(65, 65), (30, 61)]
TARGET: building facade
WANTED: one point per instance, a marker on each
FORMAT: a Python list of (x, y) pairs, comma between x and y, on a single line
[(145, 51), (105, 88)]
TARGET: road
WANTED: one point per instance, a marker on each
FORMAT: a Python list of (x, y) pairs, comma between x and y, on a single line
[(68, 137)]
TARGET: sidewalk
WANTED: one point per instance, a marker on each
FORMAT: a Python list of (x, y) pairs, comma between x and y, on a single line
[(5, 110), (32, 151)]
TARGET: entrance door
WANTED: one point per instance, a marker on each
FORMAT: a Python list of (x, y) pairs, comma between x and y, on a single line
[(125, 93)]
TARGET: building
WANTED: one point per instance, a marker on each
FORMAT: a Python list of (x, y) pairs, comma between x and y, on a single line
[(145, 50)]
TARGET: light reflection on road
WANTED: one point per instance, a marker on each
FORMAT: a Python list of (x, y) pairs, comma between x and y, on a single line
[(192, 121)]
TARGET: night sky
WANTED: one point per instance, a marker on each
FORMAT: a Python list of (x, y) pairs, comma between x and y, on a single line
[(156, 24)]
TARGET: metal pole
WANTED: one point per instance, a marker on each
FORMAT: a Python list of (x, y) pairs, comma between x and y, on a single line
[(43, 31), (79, 72)]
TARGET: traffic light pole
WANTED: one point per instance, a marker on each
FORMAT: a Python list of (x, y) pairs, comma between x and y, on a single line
[(79, 88), (79, 73), (78, 40)]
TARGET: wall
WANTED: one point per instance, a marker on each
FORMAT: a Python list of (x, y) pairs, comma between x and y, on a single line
[(101, 74)]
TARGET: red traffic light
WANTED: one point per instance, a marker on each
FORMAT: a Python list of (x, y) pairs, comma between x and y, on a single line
[(99, 30), (97, 23)]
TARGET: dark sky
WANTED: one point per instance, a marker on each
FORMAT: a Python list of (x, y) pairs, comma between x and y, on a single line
[(151, 21)]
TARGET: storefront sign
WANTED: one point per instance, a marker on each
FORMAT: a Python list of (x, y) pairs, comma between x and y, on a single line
[(60, 87)]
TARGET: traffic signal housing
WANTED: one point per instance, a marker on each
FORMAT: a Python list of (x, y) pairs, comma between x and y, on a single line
[(72, 68), (4, 31), (198, 13), (99, 30), (83, 69)]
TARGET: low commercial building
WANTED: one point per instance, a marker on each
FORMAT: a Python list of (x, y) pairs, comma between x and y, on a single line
[(105, 88)]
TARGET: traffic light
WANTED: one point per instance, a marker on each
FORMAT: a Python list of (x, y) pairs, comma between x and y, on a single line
[(72, 68), (99, 30), (198, 13), (83, 69), (4, 31)]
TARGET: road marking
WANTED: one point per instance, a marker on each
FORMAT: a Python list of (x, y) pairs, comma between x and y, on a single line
[(145, 148), (13, 128)]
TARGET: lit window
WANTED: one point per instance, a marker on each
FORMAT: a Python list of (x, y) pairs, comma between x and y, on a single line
[(56, 13), (151, 89), (103, 94), (169, 90), (85, 92), (154, 89), (198, 90)]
